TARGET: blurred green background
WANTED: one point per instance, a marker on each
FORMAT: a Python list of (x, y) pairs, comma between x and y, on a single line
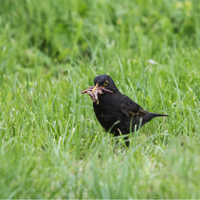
[(51, 144)]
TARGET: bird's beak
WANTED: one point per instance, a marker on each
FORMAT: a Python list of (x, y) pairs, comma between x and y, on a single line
[(95, 87)]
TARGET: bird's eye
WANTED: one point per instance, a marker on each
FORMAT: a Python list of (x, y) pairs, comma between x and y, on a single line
[(106, 83)]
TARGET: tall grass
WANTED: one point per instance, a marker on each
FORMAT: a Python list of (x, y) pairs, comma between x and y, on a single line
[(51, 144)]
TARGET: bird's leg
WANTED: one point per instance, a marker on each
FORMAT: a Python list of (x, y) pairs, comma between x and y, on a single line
[(127, 142), (116, 141)]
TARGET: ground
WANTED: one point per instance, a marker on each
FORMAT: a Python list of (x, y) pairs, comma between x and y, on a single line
[(51, 144)]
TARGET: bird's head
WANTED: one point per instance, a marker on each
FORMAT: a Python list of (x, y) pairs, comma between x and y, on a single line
[(103, 84), (106, 82)]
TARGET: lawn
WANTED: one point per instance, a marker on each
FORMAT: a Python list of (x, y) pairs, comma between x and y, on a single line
[(52, 145)]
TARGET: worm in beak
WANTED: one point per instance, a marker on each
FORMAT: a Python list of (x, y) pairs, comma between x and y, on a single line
[(94, 91)]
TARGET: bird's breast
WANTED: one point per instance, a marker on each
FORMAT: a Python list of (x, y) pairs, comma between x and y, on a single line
[(107, 111)]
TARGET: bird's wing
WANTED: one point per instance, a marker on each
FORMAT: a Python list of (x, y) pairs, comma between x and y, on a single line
[(129, 107)]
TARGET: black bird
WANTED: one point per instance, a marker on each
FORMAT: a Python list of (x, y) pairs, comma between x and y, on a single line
[(116, 112)]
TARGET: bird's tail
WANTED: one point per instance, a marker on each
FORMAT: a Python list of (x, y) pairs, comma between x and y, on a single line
[(157, 115), (148, 116)]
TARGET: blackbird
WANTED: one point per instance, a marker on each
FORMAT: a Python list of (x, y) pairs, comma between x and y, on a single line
[(116, 112)]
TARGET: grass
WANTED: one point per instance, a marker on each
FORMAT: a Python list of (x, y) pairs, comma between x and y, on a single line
[(51, 144)]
